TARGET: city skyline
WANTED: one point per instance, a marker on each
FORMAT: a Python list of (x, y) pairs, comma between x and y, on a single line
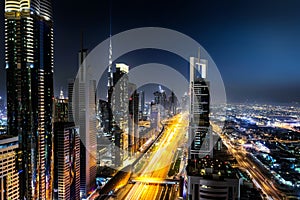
[(140, 111), (254, 45)]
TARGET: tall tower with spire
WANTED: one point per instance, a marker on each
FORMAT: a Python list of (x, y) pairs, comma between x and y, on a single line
[(110, 62), (110, 71), (29, 69)]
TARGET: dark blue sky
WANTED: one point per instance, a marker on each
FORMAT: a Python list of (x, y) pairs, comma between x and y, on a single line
[(255, 44)]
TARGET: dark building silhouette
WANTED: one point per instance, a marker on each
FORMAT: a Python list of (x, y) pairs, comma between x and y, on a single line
[(133, 120)]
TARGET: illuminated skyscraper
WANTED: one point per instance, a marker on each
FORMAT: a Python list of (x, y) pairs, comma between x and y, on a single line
[(67, 161), (141, 104), (84, 112), (199, 128), (119, 105), (29, 68), (61, 110), (133, 119), (207, 178), (70, 100), (9, 178)]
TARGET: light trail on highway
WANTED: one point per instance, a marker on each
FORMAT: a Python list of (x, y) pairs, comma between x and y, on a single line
[(264, 182), (158, 164)]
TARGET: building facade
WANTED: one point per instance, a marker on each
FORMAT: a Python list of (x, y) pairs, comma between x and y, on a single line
[(210, 178), (119, 105), (67, 161), (29, 70), (84, 112), (200, 139), (9, 176), (133, 120), (141, 104), (61, 111)]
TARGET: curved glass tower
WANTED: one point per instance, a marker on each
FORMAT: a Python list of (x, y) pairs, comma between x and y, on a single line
[(29, 69)]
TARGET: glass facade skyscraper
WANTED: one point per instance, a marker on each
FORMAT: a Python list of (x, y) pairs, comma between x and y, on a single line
[(29, 69)]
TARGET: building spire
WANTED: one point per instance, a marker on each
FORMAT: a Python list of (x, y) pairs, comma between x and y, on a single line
[(81, 49), (110, 72)]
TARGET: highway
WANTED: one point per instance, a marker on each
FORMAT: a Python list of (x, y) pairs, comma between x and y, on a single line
[(158, 164), (261, 180)]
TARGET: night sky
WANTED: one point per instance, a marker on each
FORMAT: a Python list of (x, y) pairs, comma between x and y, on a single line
[(255, 44)]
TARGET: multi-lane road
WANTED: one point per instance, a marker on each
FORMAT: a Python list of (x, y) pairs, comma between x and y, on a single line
[(260, 179), (157, 165)]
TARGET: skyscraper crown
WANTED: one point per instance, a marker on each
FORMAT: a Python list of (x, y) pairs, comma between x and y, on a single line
[(40, 7)]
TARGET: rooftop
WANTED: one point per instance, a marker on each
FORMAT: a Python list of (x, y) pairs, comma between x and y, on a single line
[(210, 168)]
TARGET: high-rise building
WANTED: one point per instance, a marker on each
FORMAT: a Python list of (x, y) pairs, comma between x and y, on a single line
[(172, 104), (200, 139), (133, 120), (84, 112), (155, 117), (29, 70), (105, 119), (61, 111), (160, 98), (185, 102), (104, 137), (142, 104), (1, 105), (67, 161), (119, 105), (208, 177), (9, 177), (70, 100)]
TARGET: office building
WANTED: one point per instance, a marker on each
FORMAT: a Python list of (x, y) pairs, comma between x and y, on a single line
[(185, 103), (200, 139), (105, 118), (155, 117), (160, 98), (142, 104), (200, 136), (66, 153), (29, 72), (2, 106), (104, 136), (84, 112), (210, 178), (172, 104), (70, 100), (9, 176), (66, 161), (119, 106), (133, 119), (61, 111)]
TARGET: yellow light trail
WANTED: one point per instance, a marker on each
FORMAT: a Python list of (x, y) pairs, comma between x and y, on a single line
[(159, 162)]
